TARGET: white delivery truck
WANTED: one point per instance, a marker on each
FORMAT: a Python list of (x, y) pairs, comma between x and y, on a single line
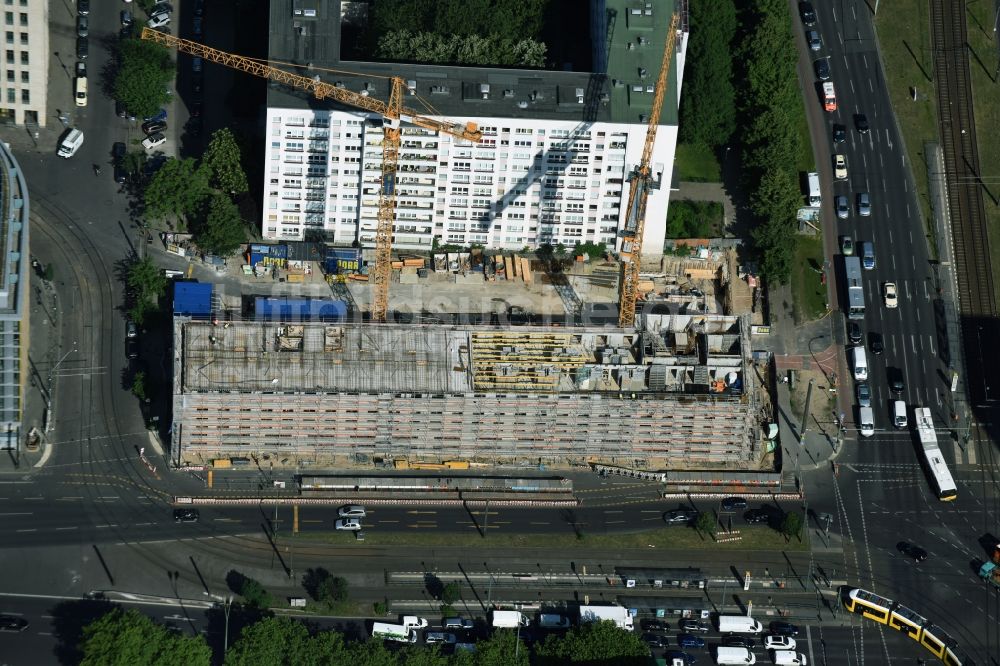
[(506, 619), (739, 624), (735, 655), (620, 616), (70, 143), (815, 197), (393, 632), (789, 658)]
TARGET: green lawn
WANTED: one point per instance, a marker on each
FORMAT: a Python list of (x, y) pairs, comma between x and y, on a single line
[(697, 163), (754, 538), (808, 293), (805, 162)]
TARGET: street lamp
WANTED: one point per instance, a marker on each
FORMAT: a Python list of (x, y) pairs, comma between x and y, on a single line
[(225, 638)]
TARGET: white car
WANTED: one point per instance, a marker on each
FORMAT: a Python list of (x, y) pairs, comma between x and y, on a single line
[(153, 140), (779, 643), (159, 20), (351, 524), (352, 511), (889, 294), (840, 167), (80, 91)]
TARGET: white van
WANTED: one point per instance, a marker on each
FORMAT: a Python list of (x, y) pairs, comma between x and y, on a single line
[(899, 414), (866, 421), (739, 624), (735, 655), (815, 197), (860, 362), (789, 658), (70, 143)]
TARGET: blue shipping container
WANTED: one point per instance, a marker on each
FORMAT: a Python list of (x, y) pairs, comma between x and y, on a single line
[(299, 309), (257, 248), (193, 299), (256, 258), (279, 251)]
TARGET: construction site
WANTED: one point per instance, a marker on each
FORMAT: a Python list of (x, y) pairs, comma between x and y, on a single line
[(675, 392)]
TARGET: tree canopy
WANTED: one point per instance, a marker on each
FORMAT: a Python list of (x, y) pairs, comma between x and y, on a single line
[(708, 99), (178, 189), (598, 642), (124, 638), (521, 19), (284, 641), (460, 50), (222, 158), (145, 71), (220, 229)]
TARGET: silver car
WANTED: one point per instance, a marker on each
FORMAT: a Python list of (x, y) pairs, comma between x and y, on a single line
[(352, 511), (864, 395), (350, 524), (813, 38), (864, 204), (840, 203)]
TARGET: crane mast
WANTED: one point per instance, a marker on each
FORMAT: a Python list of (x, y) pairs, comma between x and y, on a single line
[(638, 193), (393, 111)]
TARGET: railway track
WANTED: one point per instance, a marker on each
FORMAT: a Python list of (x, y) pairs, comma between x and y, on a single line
[(976, 299)]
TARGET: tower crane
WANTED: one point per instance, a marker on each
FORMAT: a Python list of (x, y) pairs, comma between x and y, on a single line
[(393, 111), (638, 193)]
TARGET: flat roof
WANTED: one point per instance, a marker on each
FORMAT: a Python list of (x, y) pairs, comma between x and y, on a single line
[(632, 36)]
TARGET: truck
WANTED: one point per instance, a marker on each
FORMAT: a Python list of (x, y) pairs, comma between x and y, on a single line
[(393, 632), (507, 619), (620, 616), (815, 196), (739, 624), (789, 658), (414, 622), (829, 97), (735, 655), (990, 571)]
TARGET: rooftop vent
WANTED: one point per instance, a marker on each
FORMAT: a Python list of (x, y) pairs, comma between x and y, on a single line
[(605, 98), (484, 90), (637, 88), (643, 118), (643, 73), (642, 41), (617, 83), (630, 46), (311, 13), (508, 93), (650, 88), (338, 84), (635, 12), (522, 105), (439, 90), (579, 95)]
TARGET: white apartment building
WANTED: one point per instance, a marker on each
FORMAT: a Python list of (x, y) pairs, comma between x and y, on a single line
[(552, 167), (25, 64)]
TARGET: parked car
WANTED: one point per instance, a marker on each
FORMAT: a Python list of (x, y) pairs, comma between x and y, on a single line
[(161, 115), (154, 126), (196, 26), (754, 516), (654, 625), (458, 623), (782, 628), (126, 18), (82, 26), (81, 69), (864, 394), (861, 123), (82, 48), (186, 515), (352, 511), (12, 623), (83, 7), (814, 41), (690, 641), (840, 203), (914, 552), (196, 64), (153, 140), (80, 90), (694, 626), (822, 69), (131, 348), (655, 640), (351, 524), (840, 167), (673, 656), (890, 295), (131, 330), (854, 332), (199, 7), (159, 20), (733, 504), (807, 13), (864, 204)]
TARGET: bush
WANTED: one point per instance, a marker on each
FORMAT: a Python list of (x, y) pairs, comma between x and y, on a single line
[(380, 608), (694, 219)]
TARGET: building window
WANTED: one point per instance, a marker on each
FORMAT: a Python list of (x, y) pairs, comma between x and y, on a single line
[(10, 38), (10, 75), (10, 57), (24, 39), (25, 97), (24, 20), (9, 18), (25, 78), (11, 96), (24, 57)]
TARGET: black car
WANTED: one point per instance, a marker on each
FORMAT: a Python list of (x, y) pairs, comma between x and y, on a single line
[(895, 377), (83, 7), (186, 515), (822, 69), (654, 625), (854, 332), (679, 516), (131, 348), (199, 7), (807, 13), (154, 126), (916, 553), (82, 47), (677, 655), (195, 109), (694, 625), (839, 134), (654, 641), (733, 504), (754, 516), (12, 623), (779, 628), (861, 123), (120, 174), (739, 641), (118, 150), (876, 344)]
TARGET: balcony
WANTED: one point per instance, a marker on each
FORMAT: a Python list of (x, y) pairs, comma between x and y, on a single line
[(315, 183), (318, 136), (319, 147)]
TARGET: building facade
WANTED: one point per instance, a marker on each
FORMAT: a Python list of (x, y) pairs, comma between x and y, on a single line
[(13, 288), (25, 65), (552, 167)]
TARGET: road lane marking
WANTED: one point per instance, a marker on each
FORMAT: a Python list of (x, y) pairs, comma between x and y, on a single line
[(63, 529), (28, 530), (19, 513)]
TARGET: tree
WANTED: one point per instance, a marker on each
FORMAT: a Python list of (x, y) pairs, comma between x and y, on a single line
[(708, 101), (333, 590), (370, 653), (282, 640), (123, 638), (597, 642), (705, 522), (139, 389), (451, 593), (145, 283), (500, 650), (143, 76), (255, 595), (222, 158), (178, 189), (134, 161), (791, 524), (221, 230)]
